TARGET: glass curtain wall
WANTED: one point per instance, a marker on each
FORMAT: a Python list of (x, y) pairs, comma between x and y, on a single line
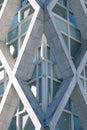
[(65, 21)]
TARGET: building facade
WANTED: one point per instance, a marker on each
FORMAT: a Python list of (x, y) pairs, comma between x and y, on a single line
[(43, 65)]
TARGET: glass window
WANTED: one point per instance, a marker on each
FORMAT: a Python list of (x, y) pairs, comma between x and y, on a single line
[(13, 49), (13, 34), (52, 58), (15, 20), (25, 26), (68, 105), (63, 2), (61, 25), (13, 125), (64, 122), (74, 109), (65, 39), (34, 73), (26, 12), (49, 69), (24, 2), (22, 40), (1, 88), (77, 124), (55, 72), (21, 106), (74, 47), (1, 1), (75, 33), (26, 123), (72, 19), (60, 11)]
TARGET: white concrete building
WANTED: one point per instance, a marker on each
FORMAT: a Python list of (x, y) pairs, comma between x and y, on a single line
[(43, 64)]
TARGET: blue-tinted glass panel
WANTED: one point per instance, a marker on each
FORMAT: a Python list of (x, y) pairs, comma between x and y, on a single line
[(13, 34), (1, 1), (72, 19), (74, 47), (77, 124), (54, 71), (52, 58), (15, 20), (26, 12), (1, 88), (26, 123), (39, 69), (25, 26), (60, 11), (34, 73), (61, 25), (63, 2), (64, 122), (75, 33), (49, 69), (13, 124), (21, 106), (24, 2), (65, 40), (68, 105), (73, 109)]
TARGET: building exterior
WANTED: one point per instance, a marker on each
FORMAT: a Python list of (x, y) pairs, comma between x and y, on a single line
[(43, 65)]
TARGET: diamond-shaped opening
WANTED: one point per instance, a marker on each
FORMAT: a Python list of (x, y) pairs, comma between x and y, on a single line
[(19, 26), (21, 121), (69, 119), (71, 34), (46, 77)]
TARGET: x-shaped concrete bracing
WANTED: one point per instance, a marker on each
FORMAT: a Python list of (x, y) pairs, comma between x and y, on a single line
[(19, 72)]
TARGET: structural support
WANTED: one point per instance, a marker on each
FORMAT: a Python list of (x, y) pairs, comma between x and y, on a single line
[(41, 23)]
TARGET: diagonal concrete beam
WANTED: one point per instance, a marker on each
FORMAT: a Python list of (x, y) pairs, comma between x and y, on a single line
[(6, 58), (56, 108), (32, 107), (8, 106), (7, 62), (30, 46), (80, 13), (81, 58), (79, 98), (7, 12), (58, 47)]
